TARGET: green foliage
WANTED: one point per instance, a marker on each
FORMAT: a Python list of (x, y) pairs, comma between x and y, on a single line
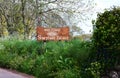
[(22, 47), (106, 38), (71, 59), (45, 60), (94, 69), (4, 59), (55, 62), (107, 29), (70, 73), (79, 51)]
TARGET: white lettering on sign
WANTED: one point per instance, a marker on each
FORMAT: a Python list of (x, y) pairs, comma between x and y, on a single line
[(61, 33), (52, 33)]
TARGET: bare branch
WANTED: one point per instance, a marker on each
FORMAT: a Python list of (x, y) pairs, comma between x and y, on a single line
[(51, 2), (48, 10)]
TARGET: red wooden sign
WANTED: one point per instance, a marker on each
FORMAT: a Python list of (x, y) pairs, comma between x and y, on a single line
[(61, 33)]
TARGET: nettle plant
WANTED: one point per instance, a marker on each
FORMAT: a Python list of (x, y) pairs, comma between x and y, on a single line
[(107, 29)]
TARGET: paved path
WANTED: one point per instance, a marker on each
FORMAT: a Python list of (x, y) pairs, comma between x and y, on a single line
[(12, 74)]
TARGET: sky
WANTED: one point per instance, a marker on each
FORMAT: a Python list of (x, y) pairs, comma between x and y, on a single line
[(107, 3), (100, 6)]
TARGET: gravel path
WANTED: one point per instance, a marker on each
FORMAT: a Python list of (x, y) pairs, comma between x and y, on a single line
[(12, 74)]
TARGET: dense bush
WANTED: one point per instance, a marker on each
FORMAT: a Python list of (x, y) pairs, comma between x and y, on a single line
[(46, 60), (60, 58), (107, 29), (106, 38)]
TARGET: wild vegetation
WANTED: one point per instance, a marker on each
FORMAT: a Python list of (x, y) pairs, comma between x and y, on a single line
[(75, 58), (45, 60), (106, 38), (63, 59)]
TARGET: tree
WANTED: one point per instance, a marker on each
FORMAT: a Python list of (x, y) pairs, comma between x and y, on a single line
[(57, 14), (107, 29), (74, 12), (20, 15)]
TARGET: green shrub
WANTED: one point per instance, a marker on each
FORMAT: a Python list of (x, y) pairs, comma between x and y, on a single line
[(15, 62), (27, 65), (79, 51), (23, 47), (51, 65), (107, 29), (105, 37), (46, 60), (95, 69), (44, 65), (68, 73), (4, 59)]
